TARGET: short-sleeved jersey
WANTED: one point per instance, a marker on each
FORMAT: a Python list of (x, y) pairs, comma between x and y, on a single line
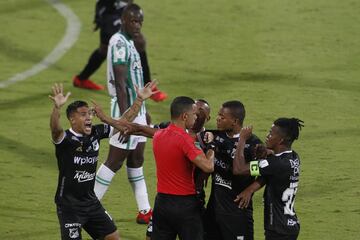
[(225, 185), (174, 150), (77, 157), (121, 51), (281, 174)]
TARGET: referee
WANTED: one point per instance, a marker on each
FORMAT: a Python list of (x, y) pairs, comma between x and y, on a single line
[(177, 210)]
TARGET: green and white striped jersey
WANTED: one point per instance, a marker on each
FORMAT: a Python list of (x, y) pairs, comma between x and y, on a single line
[(122, 51)]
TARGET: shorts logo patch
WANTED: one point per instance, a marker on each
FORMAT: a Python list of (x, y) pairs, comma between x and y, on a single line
[(73, 233), (240, 238)]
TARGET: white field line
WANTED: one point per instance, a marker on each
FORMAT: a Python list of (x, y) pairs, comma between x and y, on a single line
[(71, 35)]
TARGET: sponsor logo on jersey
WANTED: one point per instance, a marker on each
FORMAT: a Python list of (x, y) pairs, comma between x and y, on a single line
[(221, 164), (222, 182), (136, 64), (84, 176), (69, 225), (85, 160), (295, 165)]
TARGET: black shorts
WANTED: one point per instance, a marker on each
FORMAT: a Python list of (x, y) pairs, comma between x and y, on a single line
[(110, 24), (270, 235), (220, 226), (176, 216), (95, 220)]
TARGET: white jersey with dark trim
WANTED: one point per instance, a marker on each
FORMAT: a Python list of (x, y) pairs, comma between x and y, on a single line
[(77, 157), (281, 173), (121, 51)]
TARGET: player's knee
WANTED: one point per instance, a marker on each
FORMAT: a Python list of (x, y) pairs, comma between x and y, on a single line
[(113, 164)]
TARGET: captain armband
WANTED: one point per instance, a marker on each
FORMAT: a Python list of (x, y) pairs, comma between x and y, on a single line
[(254, 168)]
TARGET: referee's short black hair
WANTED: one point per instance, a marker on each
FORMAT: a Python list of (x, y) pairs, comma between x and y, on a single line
[(237, 109), (290, 128), (74, 106), (180, 105)]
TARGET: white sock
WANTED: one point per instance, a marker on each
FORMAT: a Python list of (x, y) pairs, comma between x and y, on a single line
[(103, 179), (137, 182)]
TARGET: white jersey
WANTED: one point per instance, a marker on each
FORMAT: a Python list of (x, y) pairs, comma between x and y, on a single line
[(122, 51)]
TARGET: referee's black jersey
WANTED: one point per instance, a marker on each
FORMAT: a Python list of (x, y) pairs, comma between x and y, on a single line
[(77, 157), (281, 173), (225, 185)]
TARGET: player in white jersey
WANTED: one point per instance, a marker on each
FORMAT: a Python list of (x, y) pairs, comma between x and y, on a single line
[(124, 71)]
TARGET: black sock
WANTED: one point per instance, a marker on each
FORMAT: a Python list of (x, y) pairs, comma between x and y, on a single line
[(145, 67), (95, 61)]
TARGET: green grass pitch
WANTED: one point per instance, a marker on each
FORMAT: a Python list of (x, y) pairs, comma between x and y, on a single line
[(280, 58)]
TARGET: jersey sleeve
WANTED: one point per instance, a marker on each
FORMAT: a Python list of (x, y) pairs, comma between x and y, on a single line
[(61, 140), (269, 166), (103, 130), (190, 149), (119, 53)]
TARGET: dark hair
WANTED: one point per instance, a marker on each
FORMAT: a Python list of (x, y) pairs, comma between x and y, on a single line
[(290, 128), (74, 106), (132, 7), (180, 105), (237, 109)]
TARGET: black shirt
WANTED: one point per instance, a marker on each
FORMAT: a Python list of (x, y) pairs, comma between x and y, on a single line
[(77, 157), (225, 185), (281, 174)]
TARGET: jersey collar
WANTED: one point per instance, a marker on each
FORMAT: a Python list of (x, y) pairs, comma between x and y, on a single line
[(75, 133), (279, 154)]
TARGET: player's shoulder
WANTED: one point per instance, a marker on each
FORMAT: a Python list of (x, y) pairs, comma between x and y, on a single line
[(118, 39)]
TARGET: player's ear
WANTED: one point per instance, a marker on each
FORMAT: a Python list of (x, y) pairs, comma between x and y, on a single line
[(184, 116)]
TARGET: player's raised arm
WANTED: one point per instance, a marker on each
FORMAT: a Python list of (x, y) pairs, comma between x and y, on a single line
[(59, 100), (131, 113), (141, 95), (240, 166)]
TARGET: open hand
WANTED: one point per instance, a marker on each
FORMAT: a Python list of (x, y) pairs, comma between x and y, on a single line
[(147, 91), (58, 95), (244, 198), (246, 132)]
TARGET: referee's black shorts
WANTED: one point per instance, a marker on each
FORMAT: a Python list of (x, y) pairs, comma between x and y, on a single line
[(176, 216), (94, 220), (220, 226)]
